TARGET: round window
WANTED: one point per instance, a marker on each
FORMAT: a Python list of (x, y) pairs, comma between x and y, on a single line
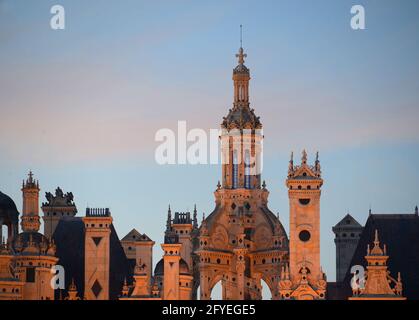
[(304, 236)]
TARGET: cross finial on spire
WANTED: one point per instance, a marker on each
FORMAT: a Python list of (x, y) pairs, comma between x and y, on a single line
[(241, 55)]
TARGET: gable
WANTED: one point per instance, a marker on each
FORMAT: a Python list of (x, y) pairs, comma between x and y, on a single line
[(304, 172), (133, 235), (348, 221)]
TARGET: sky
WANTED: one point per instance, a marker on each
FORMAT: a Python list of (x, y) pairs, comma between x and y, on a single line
[(80, 107)]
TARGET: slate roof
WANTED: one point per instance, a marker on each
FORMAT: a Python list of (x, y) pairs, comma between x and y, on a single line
[(241, 117), (183, 268), (8, 210), (348, 221), (135, 236), (69, 238), (400, 233)]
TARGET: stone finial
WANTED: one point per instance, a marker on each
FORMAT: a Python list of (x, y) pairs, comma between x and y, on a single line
[(304, 157), (72, 286), (291, 165), (125, 288), (398, 288), (72, 291), (317, 164)]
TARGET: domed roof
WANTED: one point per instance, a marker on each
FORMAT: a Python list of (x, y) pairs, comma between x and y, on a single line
[(159, 269), (183, 268), (242, 69), (241, 117), (32, 243), (8, 210)]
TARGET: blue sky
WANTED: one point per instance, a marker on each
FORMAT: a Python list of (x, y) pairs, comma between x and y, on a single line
[(80, 107)]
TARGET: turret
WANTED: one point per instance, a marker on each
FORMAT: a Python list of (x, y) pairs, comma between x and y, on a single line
[(30, 209)]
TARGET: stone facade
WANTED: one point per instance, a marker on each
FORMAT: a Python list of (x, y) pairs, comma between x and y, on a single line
[(304, 278), (97, 253)]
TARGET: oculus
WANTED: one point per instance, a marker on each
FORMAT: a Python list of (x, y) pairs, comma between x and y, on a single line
[(304, 235)]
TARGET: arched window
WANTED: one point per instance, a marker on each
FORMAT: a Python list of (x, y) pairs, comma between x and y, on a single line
[(247, 170), (235, 169)]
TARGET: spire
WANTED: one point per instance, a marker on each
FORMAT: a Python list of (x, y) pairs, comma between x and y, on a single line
[(416, 211), (241, 36), (169, 219), (195, 218), (241, 77), (241, 55), (377, 251)]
